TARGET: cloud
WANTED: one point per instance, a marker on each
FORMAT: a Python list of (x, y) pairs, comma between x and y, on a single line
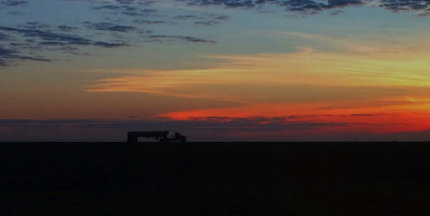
[(106, 26), (124, 23), (306, 6), (7, 55), (66, 28), (299, 5), (165, 38), (314, 6), (361, 114), (20, 42), (202, 19), (148, 22), (6, 52), (143, 13), (3, 36), (406, 5), (108, 44), (212, 21), (47, 35), (275, 77), (290, 121), (14, 2), (33, 36), (132, 10)]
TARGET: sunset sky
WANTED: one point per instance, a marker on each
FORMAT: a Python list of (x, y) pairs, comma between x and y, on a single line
[(215, 70)]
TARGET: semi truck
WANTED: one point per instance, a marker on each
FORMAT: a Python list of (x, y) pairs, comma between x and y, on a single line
[(158, 136)]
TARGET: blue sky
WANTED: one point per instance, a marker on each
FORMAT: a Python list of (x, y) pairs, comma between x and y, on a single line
[(143, 23)]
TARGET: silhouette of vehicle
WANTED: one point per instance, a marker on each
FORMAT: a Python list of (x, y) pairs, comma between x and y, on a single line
[(159, 136)]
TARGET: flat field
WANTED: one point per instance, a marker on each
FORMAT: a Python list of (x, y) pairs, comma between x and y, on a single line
[(215, 179)]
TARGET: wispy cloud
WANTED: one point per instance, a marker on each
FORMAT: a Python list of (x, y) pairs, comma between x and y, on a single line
[(340, 74), (342, 86)]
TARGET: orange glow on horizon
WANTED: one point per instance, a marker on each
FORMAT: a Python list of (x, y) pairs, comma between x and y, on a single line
[(373, 120)]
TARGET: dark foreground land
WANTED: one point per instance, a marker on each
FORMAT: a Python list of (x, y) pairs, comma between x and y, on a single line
[(215, 179)]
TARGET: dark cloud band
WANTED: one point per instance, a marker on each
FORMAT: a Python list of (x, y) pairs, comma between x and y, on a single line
[(199, 129), (422, 6), (21, 43), (13, 2)]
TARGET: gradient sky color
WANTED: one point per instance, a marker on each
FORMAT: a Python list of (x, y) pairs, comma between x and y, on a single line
[(215, 70)]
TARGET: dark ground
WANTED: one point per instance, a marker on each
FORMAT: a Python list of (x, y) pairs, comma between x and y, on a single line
[(215, 179)]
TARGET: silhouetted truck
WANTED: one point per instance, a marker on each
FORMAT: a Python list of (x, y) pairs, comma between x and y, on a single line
[(159, 136)]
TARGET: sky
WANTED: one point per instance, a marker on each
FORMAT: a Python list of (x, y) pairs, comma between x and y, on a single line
[(215, 70)]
